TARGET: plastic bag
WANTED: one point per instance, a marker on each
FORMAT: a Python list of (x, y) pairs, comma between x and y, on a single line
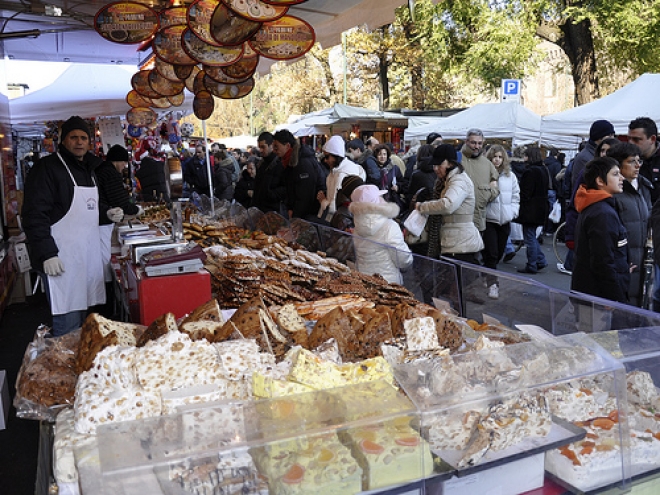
[(46, 381), (555, 214)]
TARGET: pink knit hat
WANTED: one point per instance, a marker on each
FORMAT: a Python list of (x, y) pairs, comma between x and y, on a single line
[(368, 194)]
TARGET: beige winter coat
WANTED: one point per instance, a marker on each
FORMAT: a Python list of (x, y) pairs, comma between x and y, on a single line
[(482, 173), (458, 233)]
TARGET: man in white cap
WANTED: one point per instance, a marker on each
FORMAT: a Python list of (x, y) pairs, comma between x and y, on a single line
[(61, 214), (334, 151)]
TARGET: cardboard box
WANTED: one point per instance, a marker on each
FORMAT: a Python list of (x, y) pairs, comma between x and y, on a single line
[(4, 400)]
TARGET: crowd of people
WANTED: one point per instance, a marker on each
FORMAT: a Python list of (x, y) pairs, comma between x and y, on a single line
[(478, 202)]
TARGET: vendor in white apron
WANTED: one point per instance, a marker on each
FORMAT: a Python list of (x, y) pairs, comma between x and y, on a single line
[(61, 213)]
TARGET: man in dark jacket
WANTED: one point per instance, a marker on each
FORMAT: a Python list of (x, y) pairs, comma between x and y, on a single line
[(303, 175), (269, 188), (153, 183), (365, 158), (61, 215), (643, 132), (195, 172)]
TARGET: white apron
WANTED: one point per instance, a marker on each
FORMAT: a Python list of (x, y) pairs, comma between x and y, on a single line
[(106, 250), (77, 238)]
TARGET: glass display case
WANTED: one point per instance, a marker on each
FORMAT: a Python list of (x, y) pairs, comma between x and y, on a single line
[(510, 405), (347, 440)]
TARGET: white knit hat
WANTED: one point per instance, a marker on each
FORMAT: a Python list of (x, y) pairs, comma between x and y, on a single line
[(335, 146)]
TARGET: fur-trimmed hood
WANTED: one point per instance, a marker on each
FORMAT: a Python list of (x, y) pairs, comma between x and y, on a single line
[(388, 210), (299, 151)]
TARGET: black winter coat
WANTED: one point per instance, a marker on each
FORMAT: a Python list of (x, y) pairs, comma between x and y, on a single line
[(269, 188), (48, 196), (601, 253), (423, 177), (244, 184), (304, 178), (196, 175), (534, 207), (223, 187), (634, 206), (370, 166), (651, 170), (112, 192), (152, 180)]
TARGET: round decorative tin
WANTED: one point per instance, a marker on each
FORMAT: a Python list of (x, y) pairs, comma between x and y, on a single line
[(232, 91), (199, 19), (163, 86), (229, 29), (140, 83), (183, 71), (136, 100), (242, 69), (203, 105), (166, 70), (215, 75), (173, 16), (284, 39), (167, 46), (126, 22), (256, 10), (177, 100), (141, 117), (207, 54)]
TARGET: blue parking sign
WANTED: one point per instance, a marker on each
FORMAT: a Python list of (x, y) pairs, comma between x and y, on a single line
[(511, 86)]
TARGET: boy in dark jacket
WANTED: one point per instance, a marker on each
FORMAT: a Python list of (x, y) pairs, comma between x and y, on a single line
[(601, 248)]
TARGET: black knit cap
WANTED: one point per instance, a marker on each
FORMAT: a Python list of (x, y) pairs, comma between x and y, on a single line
[(442, 153), (117, 154), (75, 123), (349, 184)]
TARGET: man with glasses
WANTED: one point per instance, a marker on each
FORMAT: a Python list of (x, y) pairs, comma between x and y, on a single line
[(643, 132), (483, 174)]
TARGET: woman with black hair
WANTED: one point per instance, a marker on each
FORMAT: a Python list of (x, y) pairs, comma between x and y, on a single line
[(459, 237)]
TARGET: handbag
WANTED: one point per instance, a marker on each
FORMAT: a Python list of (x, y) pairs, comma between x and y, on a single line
[(555, 214)]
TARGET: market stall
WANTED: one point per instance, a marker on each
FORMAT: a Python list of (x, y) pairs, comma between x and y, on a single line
[(548, 406)]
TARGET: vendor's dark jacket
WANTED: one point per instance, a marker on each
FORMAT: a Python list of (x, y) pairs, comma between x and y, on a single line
[(304, 178), (223, 187), (48, 196), (601, 247), (269, 188), (112, 191), (152, 180), (244, 184), (534, 208), (634, 207)]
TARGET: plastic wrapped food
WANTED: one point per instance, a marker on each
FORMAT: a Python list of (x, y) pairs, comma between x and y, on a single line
[(46, 381)]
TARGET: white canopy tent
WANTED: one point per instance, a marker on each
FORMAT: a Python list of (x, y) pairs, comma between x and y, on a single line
[(636, 99), (496, 120), (339, 117), (87, 90)]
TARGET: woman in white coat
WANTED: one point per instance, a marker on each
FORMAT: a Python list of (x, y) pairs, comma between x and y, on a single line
[(459, 238), (499, 214), (379, 243)]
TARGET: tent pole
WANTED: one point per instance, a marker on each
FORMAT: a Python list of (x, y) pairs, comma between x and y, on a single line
[(208, 169)]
